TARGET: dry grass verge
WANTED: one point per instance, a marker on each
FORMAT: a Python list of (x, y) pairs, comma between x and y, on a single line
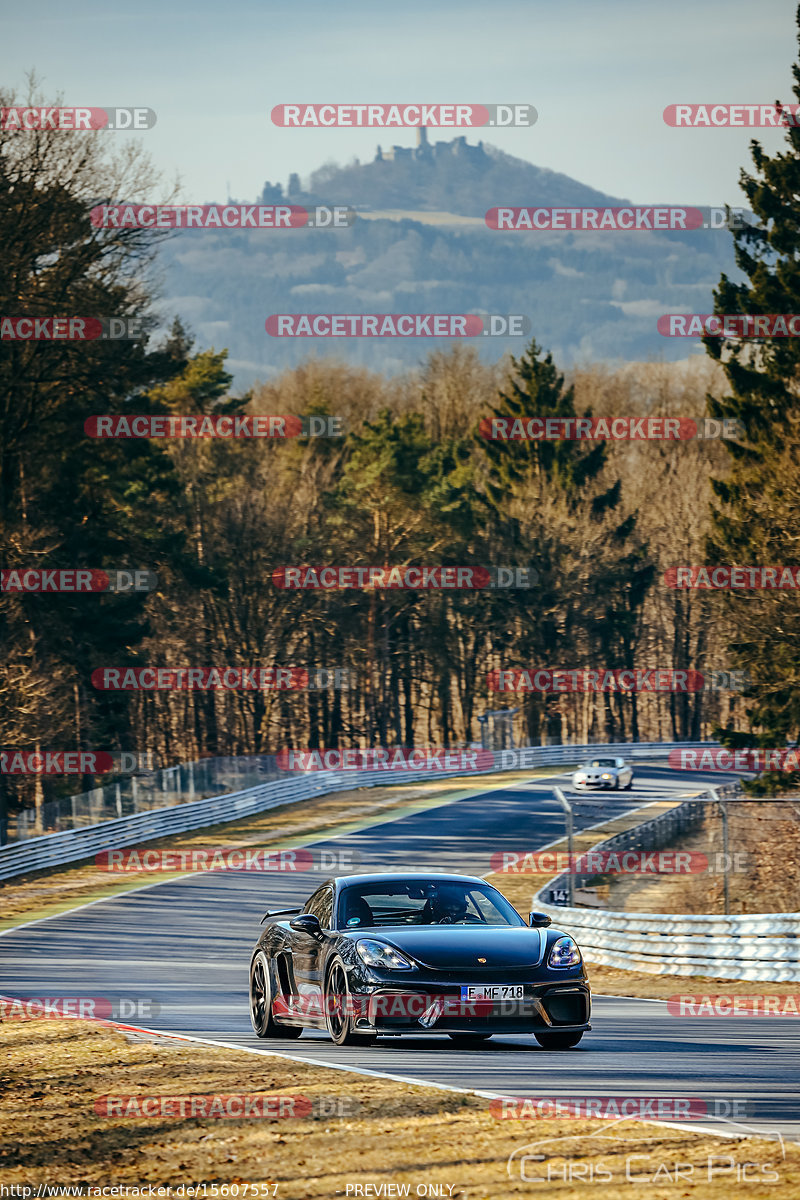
[(766, 836), (390, 1133)]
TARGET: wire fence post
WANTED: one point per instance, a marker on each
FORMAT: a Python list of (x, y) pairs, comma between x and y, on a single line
[(714, 792), (567, 807)]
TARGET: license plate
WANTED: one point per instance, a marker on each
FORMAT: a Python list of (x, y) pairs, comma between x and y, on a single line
[(493, 991)]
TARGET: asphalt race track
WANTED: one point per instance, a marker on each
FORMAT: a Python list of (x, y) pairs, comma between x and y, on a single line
[(186, 945)]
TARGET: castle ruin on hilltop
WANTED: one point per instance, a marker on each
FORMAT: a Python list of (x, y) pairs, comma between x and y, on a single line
[(424, 151)]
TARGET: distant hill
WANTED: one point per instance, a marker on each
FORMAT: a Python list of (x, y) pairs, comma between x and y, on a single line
[(449, 176), (421, 245)]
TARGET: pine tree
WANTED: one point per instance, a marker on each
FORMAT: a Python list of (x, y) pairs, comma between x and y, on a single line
[(537, 390), (554, 509), (756, 514), (68, 500)]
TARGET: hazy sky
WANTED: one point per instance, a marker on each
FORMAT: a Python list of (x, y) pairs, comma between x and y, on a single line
[(600, 72)]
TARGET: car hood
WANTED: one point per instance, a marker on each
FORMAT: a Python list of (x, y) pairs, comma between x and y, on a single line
[(459, 947)]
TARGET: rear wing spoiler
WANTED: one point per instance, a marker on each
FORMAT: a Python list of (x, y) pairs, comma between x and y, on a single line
[(280, 912)]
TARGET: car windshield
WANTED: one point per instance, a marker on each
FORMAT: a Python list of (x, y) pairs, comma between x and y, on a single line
[(602, 762), (423, 902)]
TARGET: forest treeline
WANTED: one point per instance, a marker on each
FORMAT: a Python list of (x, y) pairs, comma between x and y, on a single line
[(411, 482)]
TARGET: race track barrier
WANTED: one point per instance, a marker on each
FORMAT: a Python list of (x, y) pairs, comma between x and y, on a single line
[(763, 947), (75, 845)]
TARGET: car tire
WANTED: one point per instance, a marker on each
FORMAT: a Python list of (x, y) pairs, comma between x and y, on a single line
[(629, 785), (338, 1014), (469, 1039), (616, 784), (261, 1002), (558, 1041)]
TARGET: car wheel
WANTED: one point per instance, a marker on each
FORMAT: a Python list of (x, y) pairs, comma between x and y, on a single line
[(338, 1010), (261, 1002), (468, 1039), (616, 783), (629, 784), (558, 1041)]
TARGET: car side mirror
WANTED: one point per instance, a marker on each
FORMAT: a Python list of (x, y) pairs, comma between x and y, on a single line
[(538, 920), (307, 923)]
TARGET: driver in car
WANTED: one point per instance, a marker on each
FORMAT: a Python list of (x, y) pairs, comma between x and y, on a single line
[(445, 906)]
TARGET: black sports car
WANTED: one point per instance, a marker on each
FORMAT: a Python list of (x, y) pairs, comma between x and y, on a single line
[(371, 955)]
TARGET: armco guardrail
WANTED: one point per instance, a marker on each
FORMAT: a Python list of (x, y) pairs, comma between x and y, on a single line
[(762, 947), (164, 787), (55, 849)]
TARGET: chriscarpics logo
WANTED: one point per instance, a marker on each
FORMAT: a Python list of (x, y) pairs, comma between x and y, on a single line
[(624, 1156)]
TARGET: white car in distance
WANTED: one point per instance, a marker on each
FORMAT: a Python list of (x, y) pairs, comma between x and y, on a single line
[(603, 773)]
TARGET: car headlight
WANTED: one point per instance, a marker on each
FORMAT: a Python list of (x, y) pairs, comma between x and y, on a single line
[(607, 776), (564, 953), (378, 954)]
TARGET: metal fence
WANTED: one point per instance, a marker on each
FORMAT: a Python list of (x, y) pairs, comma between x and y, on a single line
[(73, 845), (145, 791), (762, 947), (650, 835)]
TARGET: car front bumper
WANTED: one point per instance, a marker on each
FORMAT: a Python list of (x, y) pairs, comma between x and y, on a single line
[(545, 1006)]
